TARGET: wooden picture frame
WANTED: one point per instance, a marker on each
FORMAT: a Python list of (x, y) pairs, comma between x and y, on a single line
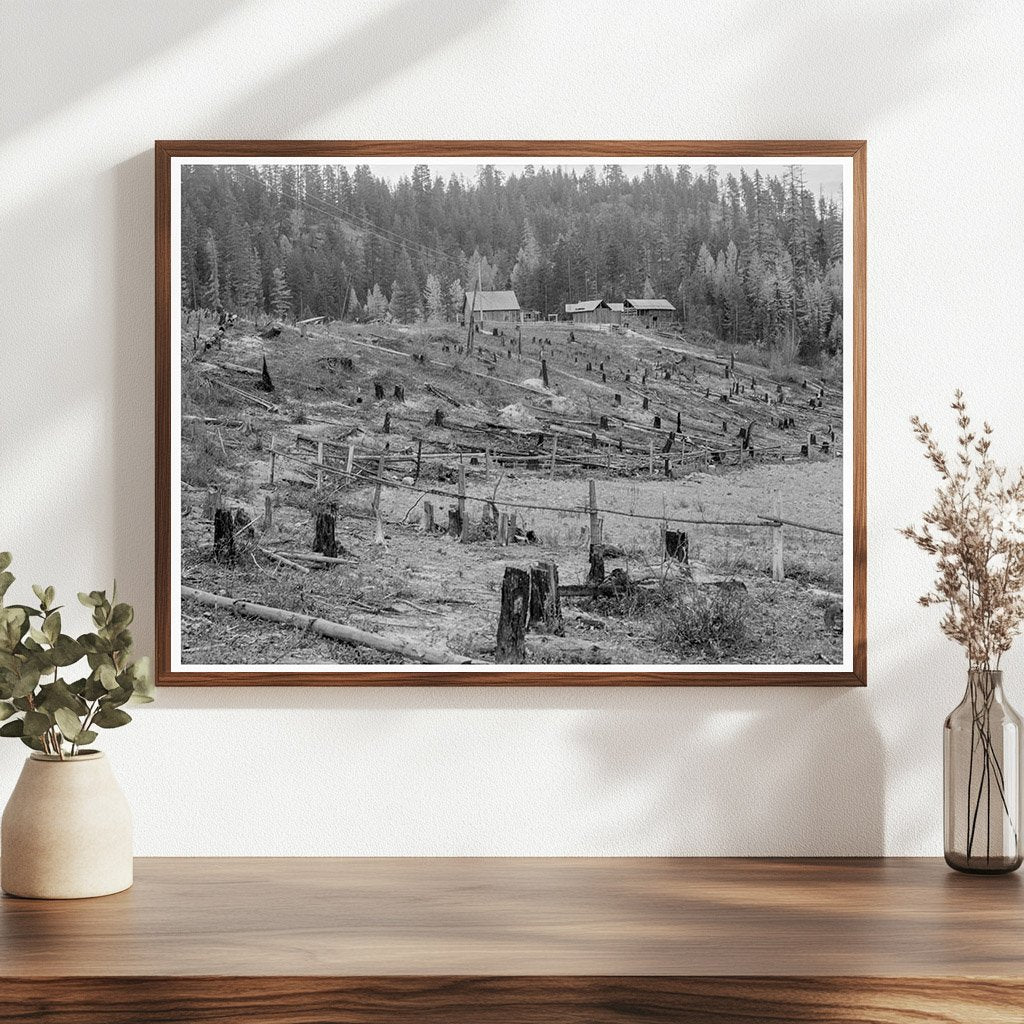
[(170, 155)]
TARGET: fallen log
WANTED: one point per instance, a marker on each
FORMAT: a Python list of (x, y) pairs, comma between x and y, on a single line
[(306, 556), (334, 630), (284, 561)]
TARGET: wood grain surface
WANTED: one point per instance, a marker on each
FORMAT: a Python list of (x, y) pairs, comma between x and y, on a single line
[(284, 941), (167, 150)]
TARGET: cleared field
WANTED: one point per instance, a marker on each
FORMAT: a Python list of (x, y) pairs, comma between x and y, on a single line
[(664, 427)]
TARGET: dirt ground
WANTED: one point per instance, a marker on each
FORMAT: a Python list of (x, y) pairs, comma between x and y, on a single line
[(433, 591)]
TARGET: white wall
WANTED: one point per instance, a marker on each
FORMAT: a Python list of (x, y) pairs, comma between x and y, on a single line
[(936, 88)]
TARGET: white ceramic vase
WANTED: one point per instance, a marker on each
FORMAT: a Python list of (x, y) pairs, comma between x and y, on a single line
[(66, 831)]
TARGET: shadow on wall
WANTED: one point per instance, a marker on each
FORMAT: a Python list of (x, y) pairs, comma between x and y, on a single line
[(755, 772), (334, 77), (85, 46)]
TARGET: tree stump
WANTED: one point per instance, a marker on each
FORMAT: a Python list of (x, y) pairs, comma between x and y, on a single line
[(454, 523), (428, 517), (545, 606), (223, 536), (378, 391), (544, 372), (400, 392), (324, 541), (677, 545), (513, 617), (657, 423), (438, 418), (265, 384)]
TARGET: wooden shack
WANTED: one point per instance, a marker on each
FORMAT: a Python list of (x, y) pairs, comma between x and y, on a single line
[(591, 311), (651, 313), (499, 306)]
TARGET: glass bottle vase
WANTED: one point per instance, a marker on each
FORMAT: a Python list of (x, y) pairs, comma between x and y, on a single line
[(981, 771)]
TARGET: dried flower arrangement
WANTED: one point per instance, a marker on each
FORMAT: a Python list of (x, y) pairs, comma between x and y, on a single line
[(975, 529)]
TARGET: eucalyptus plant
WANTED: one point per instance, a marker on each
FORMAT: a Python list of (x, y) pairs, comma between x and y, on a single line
[(37, 704)]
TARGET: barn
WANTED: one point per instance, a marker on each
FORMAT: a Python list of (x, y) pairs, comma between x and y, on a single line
[(650, 312), (592, 311), (503, 306), (616, 311)]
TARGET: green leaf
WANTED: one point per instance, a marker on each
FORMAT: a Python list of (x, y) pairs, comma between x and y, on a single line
[(69, 724), (59, 695), (13, 625), (6, 579), (40, 593), (111, 718), (107, 676), (36, 723), (6, 710), (5, 560), (13, 728), (86, 736), (51, 596), (94, 689), (66, 651), (27, 681), (122, 616), (38, 635), (89, 600), (51, 626), (31, 741)]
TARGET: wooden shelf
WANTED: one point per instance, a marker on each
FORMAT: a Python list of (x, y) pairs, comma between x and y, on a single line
[(282, 941)]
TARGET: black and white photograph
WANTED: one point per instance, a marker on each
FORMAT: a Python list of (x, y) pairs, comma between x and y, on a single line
[(468, 414)]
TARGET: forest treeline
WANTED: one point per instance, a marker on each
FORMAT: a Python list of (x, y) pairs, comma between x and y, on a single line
[(753, 259)]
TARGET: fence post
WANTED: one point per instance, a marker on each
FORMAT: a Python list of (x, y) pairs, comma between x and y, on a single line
[(319, 462), (502, 529), (650, 459), (778, 550), (428, 517), (273, 459), (376, 489), (463, 521), (596, 574)]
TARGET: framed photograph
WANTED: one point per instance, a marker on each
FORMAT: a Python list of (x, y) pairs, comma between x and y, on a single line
[(492, 413)]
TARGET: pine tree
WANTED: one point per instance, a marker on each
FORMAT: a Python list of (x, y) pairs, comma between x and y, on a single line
[(210, 280), (280, 295), (434, 300), (376, 303), (405, 294), (456, 299)]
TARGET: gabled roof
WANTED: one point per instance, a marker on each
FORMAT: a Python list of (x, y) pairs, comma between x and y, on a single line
[(646, 304), (584, 307), (487, 302), (616, 307)]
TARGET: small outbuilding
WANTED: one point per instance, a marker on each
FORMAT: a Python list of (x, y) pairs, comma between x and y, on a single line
[(502, 306), (650, 312), (592, 311)]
